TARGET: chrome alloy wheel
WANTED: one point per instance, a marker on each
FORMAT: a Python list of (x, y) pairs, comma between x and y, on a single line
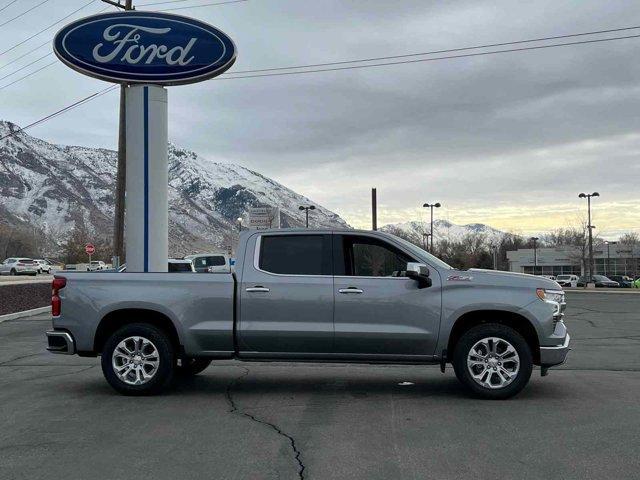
[(493, 362), (135, 360)]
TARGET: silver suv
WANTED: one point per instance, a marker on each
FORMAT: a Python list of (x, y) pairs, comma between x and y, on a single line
[(19, 266)]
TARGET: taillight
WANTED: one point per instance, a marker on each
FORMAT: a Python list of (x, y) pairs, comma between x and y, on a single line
[(56, 303)]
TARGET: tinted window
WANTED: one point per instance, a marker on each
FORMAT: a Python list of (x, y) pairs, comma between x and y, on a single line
[(212, 261), (369, 257), (179, 267), (296, 254)]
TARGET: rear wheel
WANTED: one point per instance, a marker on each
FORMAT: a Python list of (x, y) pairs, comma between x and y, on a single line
[(138, 359), (12, 272), (187, 367), (493, 361)]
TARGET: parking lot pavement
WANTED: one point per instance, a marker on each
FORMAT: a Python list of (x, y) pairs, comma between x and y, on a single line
[(328, 421)]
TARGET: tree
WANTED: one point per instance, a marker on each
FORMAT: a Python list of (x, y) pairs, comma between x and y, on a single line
[(73, 249)]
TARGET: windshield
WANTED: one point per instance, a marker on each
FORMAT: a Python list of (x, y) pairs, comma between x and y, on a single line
[(423, 255), (564, 277)]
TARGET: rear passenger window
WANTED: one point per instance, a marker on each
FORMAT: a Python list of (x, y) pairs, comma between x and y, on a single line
[(296, 254)]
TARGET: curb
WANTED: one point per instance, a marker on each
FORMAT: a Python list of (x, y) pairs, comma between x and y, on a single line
[(24, 313)]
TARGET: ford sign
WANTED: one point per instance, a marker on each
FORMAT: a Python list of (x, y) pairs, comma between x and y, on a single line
[(145, 47)]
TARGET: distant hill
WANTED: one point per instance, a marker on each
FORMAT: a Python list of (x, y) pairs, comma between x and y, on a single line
[(443, 230), (55, 187)]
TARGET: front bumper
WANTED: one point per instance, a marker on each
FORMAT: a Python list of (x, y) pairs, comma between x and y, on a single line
[(550, 356), (59, 341)]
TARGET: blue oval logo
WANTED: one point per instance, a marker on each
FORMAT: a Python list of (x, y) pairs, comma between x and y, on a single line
[(145, 47)]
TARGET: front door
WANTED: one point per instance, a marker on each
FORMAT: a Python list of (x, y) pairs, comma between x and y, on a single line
[(286, 295), (378, 313)]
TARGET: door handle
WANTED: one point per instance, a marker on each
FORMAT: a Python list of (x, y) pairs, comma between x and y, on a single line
[(258, 288), (351, 290)]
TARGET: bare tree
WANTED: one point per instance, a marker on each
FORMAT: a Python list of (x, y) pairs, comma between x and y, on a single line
[(632, 240)]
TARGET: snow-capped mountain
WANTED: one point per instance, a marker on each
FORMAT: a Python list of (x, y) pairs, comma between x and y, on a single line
[(443, 230), (56, 187)]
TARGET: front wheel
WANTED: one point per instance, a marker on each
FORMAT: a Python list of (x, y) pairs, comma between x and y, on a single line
[(138, 359), (493, 361)]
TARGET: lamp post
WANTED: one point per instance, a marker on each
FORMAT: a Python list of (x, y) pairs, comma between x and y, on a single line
[(590, 227), (431, 206), (306, 211), (607, 268), (535, 253)]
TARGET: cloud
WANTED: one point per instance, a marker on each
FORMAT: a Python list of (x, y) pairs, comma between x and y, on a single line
[(488, 136)]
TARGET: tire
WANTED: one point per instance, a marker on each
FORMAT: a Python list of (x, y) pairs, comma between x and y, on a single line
[(500, 373), (155, 344), (12, 272), (189, 367)]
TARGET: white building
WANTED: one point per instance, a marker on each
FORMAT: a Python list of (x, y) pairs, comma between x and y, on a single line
[(609, 259)]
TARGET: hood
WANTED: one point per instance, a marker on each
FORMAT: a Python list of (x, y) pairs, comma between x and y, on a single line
[(506, 279)]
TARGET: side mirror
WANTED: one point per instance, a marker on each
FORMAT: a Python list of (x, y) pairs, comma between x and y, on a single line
[(420, 273)]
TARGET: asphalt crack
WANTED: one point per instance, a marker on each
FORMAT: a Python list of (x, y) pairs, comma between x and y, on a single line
[(235, 410)]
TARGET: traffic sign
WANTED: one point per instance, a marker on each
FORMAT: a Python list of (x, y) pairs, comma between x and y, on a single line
[(90, 249)]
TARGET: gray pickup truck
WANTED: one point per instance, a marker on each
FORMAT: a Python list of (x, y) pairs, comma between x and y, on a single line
[(314, 295)]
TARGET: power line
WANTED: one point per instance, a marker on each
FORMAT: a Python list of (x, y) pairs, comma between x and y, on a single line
[(28, 75), (46, 28), (23, 13), (8, 5), (25, 66), (351, 67), (25, 54), (467, 55), (435, 52), (63, 110), (199, 6)]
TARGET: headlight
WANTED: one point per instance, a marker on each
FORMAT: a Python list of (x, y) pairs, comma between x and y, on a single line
[(555, 296)]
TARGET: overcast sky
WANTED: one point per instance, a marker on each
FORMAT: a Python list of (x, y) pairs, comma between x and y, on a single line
[(507, 139)]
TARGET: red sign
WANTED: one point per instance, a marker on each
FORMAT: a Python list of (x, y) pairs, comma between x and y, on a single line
[(90, 249)]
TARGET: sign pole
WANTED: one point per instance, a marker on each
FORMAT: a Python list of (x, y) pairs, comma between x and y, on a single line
[(147, 219)]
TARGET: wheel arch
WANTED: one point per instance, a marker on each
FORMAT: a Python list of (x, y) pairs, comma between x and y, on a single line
[(116, 319), (514, 320)]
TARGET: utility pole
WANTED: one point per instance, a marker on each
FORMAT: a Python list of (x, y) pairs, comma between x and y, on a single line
[(374, 209), (590, 227), (121, 169)]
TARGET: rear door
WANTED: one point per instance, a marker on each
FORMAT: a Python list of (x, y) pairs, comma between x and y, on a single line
[(286, 295), (378, 314)]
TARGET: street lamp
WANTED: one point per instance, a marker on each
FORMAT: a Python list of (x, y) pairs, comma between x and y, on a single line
[(535, 253), (306, 211), (590, 227), (239, 219), (608, 266), (431, 206)]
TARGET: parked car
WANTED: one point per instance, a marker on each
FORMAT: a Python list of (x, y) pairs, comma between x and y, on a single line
[(176, 265), (96, 265), (600, 281), (567, 280), (19, 266), (550, 277), (43, 265), (623, 280), (210, 262), (300, 294)]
